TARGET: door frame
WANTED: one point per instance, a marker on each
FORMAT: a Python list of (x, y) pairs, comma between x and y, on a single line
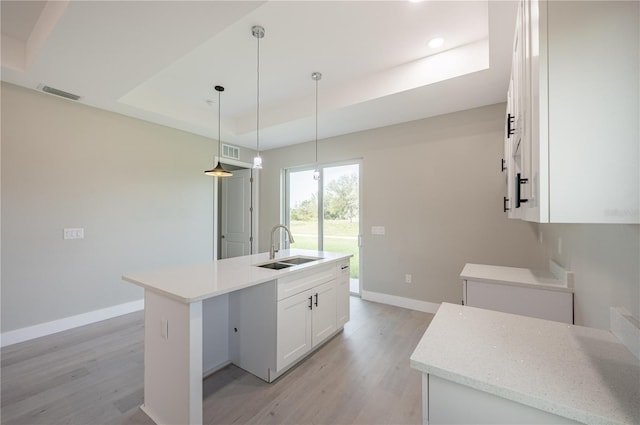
[(285, 216), (255, 184)]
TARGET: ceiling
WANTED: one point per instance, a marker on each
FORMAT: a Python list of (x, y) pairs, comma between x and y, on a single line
[(159, 61)]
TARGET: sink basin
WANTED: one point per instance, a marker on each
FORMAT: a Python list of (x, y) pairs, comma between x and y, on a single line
[(287, 262), (299, 260), (275, 265)]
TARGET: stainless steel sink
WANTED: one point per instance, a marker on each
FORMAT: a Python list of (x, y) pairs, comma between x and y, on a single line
[(283, 263), (299, 260), (275, 266)]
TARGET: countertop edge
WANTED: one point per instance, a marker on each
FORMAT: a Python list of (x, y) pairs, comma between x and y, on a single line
[(545, 286), (550, 281)]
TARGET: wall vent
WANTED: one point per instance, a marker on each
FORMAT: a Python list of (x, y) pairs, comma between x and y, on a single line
[(229, 151), (57, 92)]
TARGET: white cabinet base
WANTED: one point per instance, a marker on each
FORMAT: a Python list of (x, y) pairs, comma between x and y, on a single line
[(532, 302), (447, 402)]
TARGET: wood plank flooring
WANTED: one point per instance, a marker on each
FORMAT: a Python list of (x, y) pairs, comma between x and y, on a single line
[(94, 375)]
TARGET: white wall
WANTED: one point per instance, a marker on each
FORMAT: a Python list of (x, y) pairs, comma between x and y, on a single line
[(137, 189), (436, 186), (606, 261)]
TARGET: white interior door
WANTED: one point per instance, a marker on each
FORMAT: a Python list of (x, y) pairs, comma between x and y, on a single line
[(235, 214)]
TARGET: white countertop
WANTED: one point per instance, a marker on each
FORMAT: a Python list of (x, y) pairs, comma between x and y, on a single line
[(580, 373), (201, 281), (518, 277)]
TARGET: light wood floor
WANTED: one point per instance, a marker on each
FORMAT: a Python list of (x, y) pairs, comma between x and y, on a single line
[(94, 375)]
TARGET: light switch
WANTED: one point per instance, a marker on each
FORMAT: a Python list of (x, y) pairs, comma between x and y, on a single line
[(74, 233), (377, 230)]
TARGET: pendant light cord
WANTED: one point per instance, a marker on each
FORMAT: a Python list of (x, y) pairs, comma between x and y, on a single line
[(258, 99), (219, 141), (317, 121)]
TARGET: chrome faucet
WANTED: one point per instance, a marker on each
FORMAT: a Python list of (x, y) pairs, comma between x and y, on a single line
[(273, 249)]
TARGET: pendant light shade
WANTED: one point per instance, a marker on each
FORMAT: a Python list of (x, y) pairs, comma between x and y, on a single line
[(219, 171), (316, 76), (258, 32)]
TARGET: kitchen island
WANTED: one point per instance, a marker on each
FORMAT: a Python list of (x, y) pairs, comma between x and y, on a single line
[(483, 366), (268, 318)]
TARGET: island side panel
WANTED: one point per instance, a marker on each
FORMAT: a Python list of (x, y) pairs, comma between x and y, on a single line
[(215, 334), (173, 360)]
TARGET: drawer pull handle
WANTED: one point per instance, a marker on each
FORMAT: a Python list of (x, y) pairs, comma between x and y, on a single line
[(311, 303), (316, 299), (344, 267)]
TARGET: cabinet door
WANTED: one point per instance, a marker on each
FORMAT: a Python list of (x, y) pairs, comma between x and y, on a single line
[(323, 322), (342, 295), (294, 328)]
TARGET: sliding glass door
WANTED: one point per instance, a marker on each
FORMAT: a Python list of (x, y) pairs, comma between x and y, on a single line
[(324, 214)]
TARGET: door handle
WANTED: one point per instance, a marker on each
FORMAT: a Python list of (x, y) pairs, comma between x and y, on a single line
[(520, 181), (316, 299), (504, 204), (311, 303), (510, 122)]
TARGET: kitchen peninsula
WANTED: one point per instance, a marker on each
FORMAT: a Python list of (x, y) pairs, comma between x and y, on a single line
[(273, 313), (488, 367)]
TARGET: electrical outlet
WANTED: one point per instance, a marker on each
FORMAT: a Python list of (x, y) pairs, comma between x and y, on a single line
[(407, 278)]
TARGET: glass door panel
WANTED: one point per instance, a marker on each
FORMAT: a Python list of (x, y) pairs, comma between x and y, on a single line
[(302, 208), (341, 213), (335, 197)]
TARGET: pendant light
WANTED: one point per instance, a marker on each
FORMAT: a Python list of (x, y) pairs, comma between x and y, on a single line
[(316, 76), (219, 171), (258, 33)]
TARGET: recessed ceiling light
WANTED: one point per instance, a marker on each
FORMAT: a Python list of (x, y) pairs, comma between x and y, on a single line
[(436, 42), (416, 1)]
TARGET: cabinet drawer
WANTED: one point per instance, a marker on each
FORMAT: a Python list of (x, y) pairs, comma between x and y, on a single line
[(343, 269), (291, 285)]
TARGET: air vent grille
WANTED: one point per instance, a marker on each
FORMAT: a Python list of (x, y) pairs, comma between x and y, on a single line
[(60, 93), (229, 151)]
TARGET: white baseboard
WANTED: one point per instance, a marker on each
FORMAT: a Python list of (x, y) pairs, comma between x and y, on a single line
[(211, 371), (48, 328), (408, 303)]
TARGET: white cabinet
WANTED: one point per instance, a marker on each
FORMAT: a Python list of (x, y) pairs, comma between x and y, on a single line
[(294, 328), (274, 325), (323, 313), (342, 293), (520, 291), (572, 155), (443, 399), (527, 301), (304, 321)]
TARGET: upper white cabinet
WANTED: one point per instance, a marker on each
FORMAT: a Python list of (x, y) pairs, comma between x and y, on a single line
[(573, 113)]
